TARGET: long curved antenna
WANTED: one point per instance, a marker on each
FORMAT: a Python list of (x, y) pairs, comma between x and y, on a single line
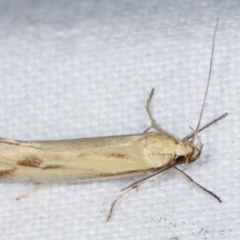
[(209, 78), (190, 135)]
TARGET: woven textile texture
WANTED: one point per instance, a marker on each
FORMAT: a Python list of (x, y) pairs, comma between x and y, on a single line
[(72, 69)]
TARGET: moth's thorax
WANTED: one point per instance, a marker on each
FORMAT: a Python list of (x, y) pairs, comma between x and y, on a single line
[(161, 149)]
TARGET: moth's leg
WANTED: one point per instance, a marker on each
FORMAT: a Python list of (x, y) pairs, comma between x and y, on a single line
[(153, 122), (147, 129), (201, 187), (139, 182), (134, 181), (115, 201), (35, 188), (130, 187)]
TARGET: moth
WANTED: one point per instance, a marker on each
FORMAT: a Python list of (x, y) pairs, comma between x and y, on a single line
[(84, 159)]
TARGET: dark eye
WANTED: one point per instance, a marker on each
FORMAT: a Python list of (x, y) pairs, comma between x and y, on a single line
[(179, 159)]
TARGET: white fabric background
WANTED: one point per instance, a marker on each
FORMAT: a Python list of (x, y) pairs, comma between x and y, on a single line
[(72, 69)]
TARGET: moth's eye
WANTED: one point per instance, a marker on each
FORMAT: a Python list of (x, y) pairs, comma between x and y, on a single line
[(179, 159)]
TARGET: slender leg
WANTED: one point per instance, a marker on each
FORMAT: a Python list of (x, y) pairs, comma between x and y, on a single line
[(135, 185), (35, 188), (147, 129), (134, 181), (115, 201), (127, 189), (201, 187), (153, 122)]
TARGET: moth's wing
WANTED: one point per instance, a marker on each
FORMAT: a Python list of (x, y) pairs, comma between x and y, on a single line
[(83, 159)]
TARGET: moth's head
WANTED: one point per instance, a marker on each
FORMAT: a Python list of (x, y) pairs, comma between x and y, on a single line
[(188, 152)]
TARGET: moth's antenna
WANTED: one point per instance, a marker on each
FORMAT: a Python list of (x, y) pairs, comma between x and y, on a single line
[(209, 78)]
